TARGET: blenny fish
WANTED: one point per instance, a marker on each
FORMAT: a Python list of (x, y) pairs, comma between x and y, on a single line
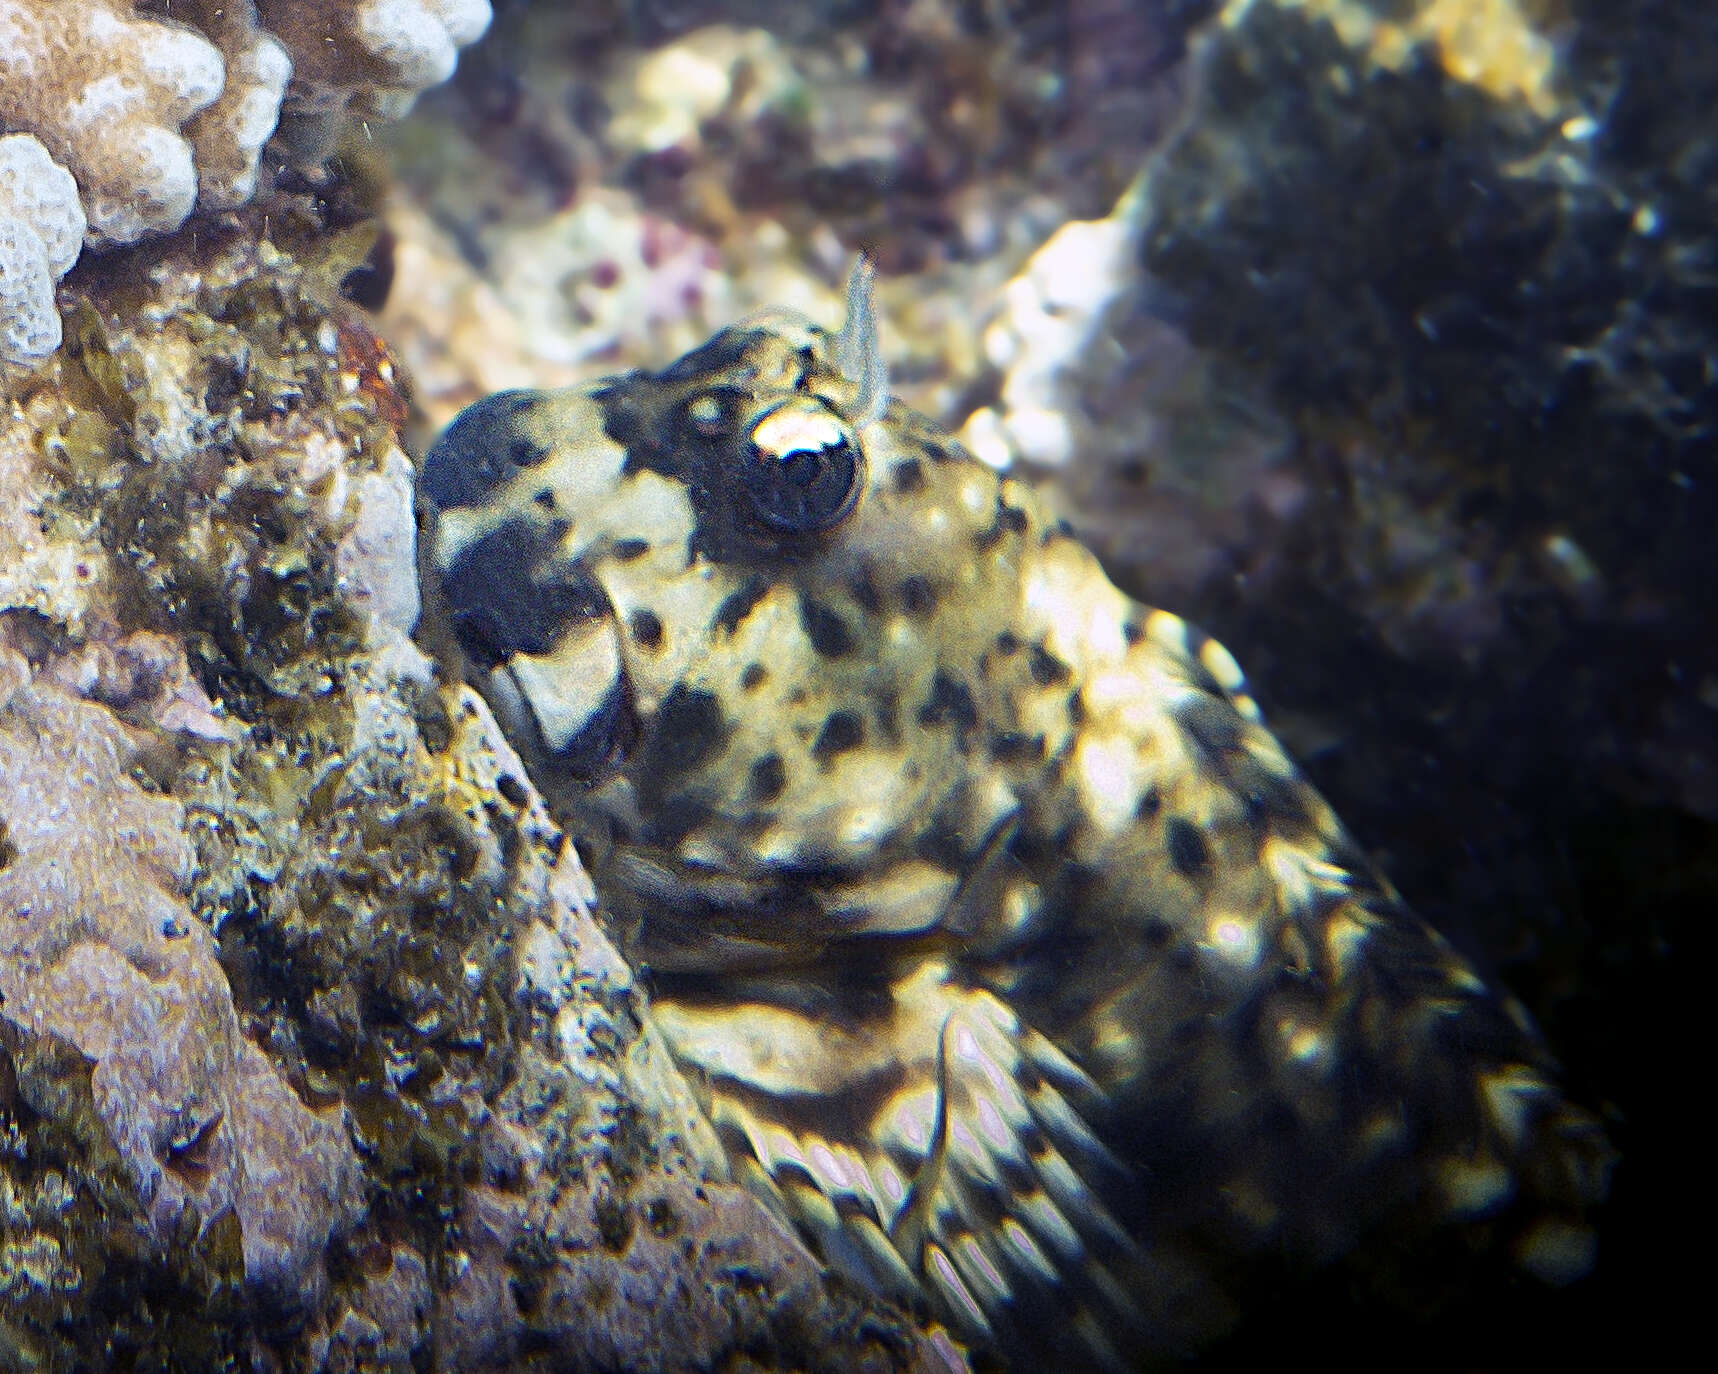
[(1017, 965)]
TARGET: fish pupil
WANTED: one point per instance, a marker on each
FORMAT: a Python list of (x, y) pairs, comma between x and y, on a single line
[(802, 468)]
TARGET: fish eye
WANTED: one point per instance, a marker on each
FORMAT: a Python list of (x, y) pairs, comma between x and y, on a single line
[(803, 467)]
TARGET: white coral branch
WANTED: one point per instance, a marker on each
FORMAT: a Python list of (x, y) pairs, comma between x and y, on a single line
[(156, 114)]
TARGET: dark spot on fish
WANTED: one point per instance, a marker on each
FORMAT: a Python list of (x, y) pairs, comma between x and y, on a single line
[(1150, 803), (603, 742), (1131, 631), (768, 778), (721, 353), (1272, 803), (647, 629), (1032, 848), (474, 455), (918, 596), (1047, 670), (626, 550), (512, 790), (502, 602), (1076, 710), (753, 677), (740, 603), (527, 453), (938, 452), (950, 703), (943, 843), (545, 498), (826, 630), (1014, 747), (755, 823), (909, 475), (888, 703), (1211, 723), (689, 731), (1187, 848), (674, 818), (1007, 643), (865, 593), (842, 730), (1007, 520)]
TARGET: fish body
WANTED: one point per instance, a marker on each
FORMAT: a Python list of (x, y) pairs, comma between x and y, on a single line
[(1018, 965)]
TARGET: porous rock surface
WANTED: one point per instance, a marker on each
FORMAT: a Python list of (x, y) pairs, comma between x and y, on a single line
[(100, 955)]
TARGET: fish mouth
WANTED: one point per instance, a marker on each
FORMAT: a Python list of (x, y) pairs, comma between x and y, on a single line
[(546, 648), (576, 703)]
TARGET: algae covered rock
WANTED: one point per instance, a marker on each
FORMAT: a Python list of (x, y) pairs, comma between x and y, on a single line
[(1472, 259), (161, 1127), (315, 1055)]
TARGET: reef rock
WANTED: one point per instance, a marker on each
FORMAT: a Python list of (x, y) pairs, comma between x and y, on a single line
[(113, 1008), (311, 1027)]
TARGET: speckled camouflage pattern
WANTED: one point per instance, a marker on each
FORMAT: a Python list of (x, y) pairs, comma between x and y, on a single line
[(1017, 963)]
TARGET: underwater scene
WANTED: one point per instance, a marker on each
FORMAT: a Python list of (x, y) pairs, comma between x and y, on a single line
[(942, 685)]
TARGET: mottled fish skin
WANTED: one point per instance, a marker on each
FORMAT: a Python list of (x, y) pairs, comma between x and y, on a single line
[(1020, 967)]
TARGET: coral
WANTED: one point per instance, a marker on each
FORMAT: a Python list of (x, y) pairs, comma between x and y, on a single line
[(107, 93), (1050, 312), (664, 96), (41, 228), (227, 137), (157, 111), (372, 55)]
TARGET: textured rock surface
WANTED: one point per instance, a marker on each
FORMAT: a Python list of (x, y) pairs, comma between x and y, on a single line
[(315, 1055), (102, 957)]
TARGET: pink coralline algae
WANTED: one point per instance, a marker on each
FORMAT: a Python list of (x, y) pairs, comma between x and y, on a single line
[(99, 950)]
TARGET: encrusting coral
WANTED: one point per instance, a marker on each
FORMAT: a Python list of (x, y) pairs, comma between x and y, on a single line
[(159, 111)]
